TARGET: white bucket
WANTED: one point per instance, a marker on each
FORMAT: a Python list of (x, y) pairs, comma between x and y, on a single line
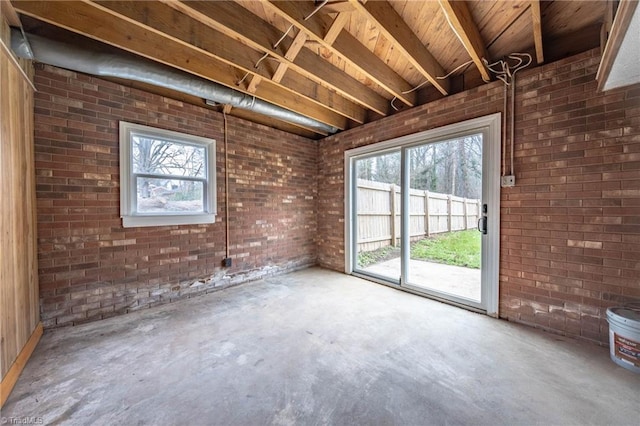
[(624, 336)]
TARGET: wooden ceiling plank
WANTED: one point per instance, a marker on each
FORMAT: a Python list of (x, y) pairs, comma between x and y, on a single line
[(167, 22), (536, 18), (336, 27), (236, 22), (461, 22), (346, 46), (395, 28), (88, 20)]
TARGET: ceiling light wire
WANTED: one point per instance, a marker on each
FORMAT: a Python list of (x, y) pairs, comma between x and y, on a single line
[(427, 81), (277, 43), (320, 6), (265, 56), (392, 103), (444, 77), (239, 82), (415, 88), (506, 73)]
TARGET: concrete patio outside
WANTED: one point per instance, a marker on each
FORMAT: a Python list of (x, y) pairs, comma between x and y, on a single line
[(456, 280)]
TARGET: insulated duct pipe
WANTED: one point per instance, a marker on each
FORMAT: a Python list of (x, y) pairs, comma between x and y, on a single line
[(128, 67)]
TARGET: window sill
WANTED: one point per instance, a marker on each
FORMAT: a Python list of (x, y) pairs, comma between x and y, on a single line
[(167, 220)]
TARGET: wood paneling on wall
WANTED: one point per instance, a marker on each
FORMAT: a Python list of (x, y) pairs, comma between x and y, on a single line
[(19, 306)]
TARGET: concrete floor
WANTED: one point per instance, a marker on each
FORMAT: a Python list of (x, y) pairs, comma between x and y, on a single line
[(318, 347)]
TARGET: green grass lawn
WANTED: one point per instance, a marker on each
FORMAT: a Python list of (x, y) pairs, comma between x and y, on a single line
[(454, 248)]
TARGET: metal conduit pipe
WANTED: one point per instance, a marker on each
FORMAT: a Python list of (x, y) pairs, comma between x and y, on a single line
[(76, 58)]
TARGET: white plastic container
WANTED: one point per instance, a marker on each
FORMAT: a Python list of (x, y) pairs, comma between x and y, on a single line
[(624, 336)]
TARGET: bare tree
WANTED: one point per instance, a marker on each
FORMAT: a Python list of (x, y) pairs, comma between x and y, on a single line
[(452, 167), (152, 156)]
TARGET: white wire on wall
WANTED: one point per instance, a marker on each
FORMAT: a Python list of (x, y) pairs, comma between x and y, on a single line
[(506, 72)]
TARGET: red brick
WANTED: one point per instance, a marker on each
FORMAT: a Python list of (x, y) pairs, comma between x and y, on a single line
[(76, 120), (576, 163)]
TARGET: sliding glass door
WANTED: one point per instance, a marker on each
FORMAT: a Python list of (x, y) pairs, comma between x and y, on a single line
[(445, 198), (378, 221), (423, 213)]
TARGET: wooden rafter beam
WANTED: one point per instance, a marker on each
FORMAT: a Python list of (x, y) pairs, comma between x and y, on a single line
[(396, 29), (461, 22), (252, 87), (238, 23), (336, 27), (338, 6), (536, 18), (345, 45), (292, 52), (194, 35), (89, 20)]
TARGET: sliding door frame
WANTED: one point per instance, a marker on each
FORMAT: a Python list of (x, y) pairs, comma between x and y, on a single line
[(490, 127)]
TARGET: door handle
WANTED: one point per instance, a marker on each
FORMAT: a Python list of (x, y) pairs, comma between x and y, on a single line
[(482, 225)]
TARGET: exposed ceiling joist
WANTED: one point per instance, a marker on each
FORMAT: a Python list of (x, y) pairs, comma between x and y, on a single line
[(459, 17), (345, 45), (536, 18), (167, 22), (236, 22), (394, 28), (338, 62), (338, 6), (292, 52), (253, 84), (88, 19), (336, 27)]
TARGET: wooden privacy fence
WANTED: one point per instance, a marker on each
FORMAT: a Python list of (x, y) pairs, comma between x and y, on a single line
[(429, 213)]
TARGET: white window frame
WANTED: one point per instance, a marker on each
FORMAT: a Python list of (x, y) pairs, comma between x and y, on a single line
[(128, 193)]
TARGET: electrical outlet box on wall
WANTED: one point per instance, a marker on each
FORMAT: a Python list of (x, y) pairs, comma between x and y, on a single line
[(508, 181)]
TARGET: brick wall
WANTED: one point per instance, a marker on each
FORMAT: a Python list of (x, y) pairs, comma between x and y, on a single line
[(90, 267), (570, 238)]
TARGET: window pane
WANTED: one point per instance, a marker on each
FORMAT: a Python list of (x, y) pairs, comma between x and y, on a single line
[(168, 158), (383, 168), (169, 196)]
